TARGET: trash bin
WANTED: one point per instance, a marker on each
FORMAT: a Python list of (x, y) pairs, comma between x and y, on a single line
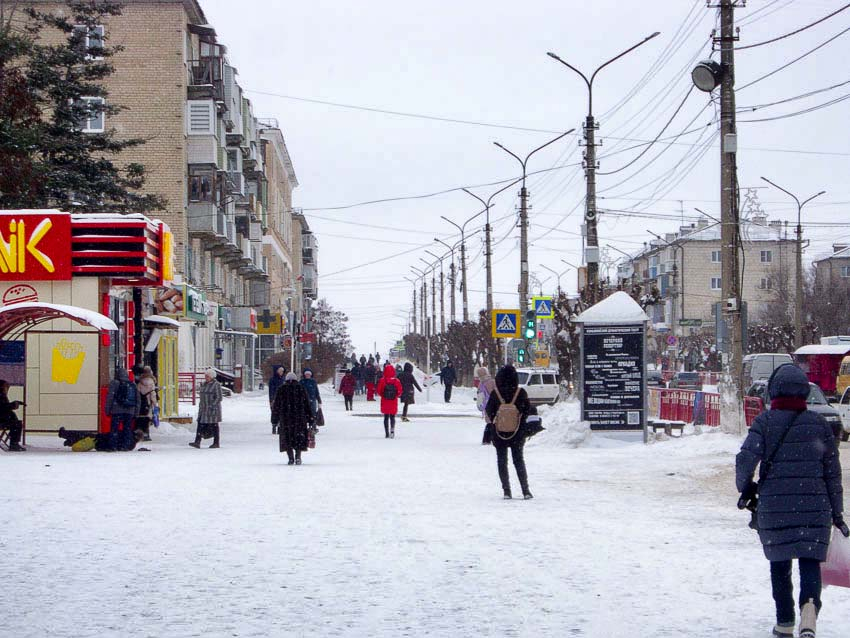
[(237, 382)]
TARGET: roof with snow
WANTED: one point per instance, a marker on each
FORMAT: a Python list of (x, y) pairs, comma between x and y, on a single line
[(820, 348), (616, 309)]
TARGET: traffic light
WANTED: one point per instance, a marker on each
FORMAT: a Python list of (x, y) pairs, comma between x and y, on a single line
[(530, 324), (520, 355)]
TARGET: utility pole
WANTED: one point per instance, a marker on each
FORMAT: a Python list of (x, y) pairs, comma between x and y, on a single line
[(451, 274), (442, 299), (591, 258), (462, 229), (523, 226), (798, 293)]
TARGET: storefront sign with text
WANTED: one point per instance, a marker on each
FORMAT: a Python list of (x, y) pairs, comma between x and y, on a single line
[(35, 246)]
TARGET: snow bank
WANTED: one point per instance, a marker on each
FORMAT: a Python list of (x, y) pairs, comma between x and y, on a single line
[(564, 427)]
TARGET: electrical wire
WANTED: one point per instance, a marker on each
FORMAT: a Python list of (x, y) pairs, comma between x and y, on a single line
[(800, 30), (751, 18), (811, 109), (744, 109)]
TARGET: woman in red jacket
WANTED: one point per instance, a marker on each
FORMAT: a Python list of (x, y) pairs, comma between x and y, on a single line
[(389, 389), (347, 387)]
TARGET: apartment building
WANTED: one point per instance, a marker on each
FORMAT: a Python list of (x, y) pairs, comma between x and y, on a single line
[(685, 268), (833, 270), (227, 177)]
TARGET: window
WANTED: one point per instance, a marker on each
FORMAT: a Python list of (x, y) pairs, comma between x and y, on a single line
[(845, 271), (766, 256), (232, 161), (93, 119), (202, 188), (715, 283), (91, 40), (549, 379), (534, 380), (715, 256), (766, 283), (201, 117)]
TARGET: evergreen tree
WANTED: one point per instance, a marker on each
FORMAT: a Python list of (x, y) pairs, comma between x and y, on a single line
[(47, 159)]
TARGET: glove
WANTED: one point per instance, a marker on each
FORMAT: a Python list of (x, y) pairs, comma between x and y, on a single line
[(748, 496), (842, 526)]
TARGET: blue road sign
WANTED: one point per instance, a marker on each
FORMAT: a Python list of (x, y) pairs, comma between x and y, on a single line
[(505, 324), (543, 307)]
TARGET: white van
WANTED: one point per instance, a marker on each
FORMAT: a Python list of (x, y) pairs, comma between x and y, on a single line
[(541, 384), (760, 366)]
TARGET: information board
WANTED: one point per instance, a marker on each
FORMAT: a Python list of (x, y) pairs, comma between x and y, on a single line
[(613, 374)]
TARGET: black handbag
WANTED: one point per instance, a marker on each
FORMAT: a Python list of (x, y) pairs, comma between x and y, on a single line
[(320, 417)]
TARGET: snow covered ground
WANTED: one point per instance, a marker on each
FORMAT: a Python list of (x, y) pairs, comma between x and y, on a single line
[(375, 537)]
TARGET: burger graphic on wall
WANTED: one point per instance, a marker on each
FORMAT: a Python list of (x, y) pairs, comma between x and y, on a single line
[(19, 293)]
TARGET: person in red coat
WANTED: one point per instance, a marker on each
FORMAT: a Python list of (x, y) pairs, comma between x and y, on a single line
[(389, 389), (347, 387)]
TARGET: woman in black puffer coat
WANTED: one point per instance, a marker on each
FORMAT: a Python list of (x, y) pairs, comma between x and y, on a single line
[(801, 497), (507, 383), (408, 383)]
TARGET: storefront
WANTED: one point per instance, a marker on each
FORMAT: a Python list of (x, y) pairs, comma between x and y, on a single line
[(89, 265)]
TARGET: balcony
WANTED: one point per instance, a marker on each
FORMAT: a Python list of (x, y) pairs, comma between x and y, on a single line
[(205, 79), (235, 183), (207, 223)]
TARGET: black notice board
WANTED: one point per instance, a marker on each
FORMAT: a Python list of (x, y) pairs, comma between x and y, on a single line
[(613, 372)]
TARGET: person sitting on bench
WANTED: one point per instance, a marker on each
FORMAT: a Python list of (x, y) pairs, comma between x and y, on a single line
[(8, 418)]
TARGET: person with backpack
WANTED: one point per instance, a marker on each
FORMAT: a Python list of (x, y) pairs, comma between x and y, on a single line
[(389, 389), (448, 376), (370, 376), (508, 409), (291, 411), (799, 494), (122, 406), (209, 411), (408, 383), (146, 385), (486, 383), (347, 388)]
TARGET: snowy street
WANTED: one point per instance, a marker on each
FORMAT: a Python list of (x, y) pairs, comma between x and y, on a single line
[(377, 537)]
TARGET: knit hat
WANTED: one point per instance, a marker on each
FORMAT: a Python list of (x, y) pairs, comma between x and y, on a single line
[(291, 376)]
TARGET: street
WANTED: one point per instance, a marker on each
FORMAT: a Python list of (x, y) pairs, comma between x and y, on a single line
[(377, 537)]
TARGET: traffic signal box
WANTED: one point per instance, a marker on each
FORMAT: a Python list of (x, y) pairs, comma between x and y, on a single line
[(529, 332)]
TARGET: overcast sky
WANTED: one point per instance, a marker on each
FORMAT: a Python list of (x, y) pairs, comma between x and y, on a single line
[(484, 61)]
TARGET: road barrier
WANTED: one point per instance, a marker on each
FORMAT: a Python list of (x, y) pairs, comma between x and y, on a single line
[(694, 406)]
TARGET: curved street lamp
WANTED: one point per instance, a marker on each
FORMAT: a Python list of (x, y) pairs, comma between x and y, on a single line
[(462, 229)]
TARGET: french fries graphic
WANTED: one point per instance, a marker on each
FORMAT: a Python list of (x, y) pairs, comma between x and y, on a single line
[(67, 360)]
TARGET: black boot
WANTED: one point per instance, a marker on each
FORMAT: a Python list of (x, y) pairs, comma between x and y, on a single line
[(215, 444), (274, 428), (197, 442), (291, 457), (507, 493)]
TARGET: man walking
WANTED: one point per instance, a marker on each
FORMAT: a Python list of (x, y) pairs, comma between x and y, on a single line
[(448, 376)]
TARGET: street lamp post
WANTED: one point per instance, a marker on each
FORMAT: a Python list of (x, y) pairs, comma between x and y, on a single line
[(523, 224), (590, 126), (442, 292), (451, 274), (423, 300), (433, 322), (798, 293), (462, 229), (488, 253), (413, 283), (557, 276)]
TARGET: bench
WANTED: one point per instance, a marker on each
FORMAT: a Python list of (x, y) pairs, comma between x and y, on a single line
[(667, 426), (4, 437)]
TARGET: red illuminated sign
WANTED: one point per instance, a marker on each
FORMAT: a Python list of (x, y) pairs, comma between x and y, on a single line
[(35, 246)]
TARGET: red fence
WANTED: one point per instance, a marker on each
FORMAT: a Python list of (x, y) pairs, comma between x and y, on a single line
[(187, 385), (692, 406), (753, 406), (708, 378)]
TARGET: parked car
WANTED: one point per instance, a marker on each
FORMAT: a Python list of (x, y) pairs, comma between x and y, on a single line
[(817, 403), (761, 365), (843, 407), (541, 384), (686, 381), (654, 379)]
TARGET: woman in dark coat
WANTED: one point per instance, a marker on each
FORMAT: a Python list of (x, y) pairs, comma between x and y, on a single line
[(277, 379), (292, 413), (408, 383), (507, 383), (209, 410), (800, 494)]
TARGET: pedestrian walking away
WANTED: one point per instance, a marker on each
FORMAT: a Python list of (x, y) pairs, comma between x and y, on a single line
[(448, 376), (389, 389), (508, 409), (799, 495), (313, 394), (122, 406), (146, 386), (275, 381), (292, 413), (486, 383), (10, 420), (357, 373), (209, 411), (347, 388), (370, 377), (408, 384)]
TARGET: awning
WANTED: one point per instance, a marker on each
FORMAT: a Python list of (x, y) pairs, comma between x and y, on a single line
[(18, 318), (165, 322)]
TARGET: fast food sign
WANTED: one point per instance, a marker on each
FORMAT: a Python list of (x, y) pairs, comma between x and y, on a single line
[(35, 246)]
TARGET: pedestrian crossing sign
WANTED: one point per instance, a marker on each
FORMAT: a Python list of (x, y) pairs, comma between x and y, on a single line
[(544, 308), (505, 324)]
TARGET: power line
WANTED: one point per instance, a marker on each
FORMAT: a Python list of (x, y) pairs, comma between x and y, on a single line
[(811, 109), (744, 109), (800, 30)]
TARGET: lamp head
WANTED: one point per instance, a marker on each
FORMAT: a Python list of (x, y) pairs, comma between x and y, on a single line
[(707, 75)]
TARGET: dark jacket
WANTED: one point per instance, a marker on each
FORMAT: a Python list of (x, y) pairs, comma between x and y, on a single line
[(357, 372), (348, 385), (312, 389), (291, 409), (370, 373), (276, 381), (209, 407), (408, 382), (507, 382), (7, 410), (802, 494), (112, 406), (448, 375)]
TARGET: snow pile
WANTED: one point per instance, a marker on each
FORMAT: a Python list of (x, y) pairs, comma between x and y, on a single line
[(564, 427)]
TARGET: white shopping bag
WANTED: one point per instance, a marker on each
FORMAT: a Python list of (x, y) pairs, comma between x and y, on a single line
[(836, 569)]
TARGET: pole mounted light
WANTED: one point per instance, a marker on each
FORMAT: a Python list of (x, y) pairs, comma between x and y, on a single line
[(707, 75)]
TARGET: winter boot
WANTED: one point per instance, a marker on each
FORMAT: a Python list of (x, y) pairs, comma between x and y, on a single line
[(808, 619), (784, 630), (392, 433), (298, 458), (215, 444), (507, 493), (274, 429), (291, 457), (196, 443), (386, 431), (405, 419), (527, 495)]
